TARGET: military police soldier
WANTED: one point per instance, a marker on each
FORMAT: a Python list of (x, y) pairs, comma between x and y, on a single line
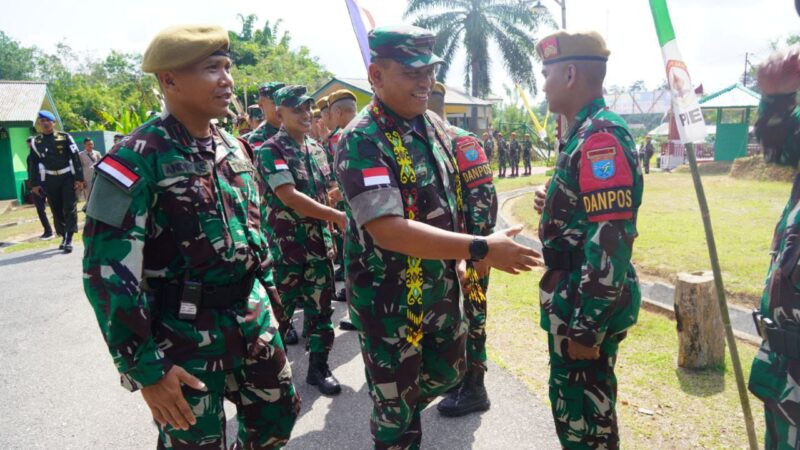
[(513, 154), (292, 165), (397, 168), (176, 265), (775, 373), (56, 165), (502, 155), (480, 215), (590, 293), (271, 123)]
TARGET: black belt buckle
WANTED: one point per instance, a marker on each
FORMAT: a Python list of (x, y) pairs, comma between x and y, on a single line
[(191, 295)]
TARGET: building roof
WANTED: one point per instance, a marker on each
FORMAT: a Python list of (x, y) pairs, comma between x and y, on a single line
[(455, 96), (20, 101), (734, 96)]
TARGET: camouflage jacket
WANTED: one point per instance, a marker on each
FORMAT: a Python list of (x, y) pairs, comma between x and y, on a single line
[(513, 149), (296, 239), (775, 378), (590, 209), (165, 208), (527, 146), (370, 177), (477, 189), (502, 148), (261, 134), (333, 142), (55, 152)]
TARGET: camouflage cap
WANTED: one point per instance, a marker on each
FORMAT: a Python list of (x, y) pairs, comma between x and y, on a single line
[(254, 111), (341, 94), (291, 96), (567, 46), (269, 89), (179, 46), (410, 46), (439, 88), (322, 103)]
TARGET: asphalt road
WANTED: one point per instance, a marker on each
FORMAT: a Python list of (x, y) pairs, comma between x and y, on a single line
[(59, 388)]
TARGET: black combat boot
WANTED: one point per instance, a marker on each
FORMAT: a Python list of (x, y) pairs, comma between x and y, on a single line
[(319, 374), (63, 241), (340, 296), (338, 274), (68, 243), (471, 397), (346, 325), (291, 336)]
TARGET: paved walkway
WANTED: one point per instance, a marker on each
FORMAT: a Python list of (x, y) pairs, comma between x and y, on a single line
[(60, 389)]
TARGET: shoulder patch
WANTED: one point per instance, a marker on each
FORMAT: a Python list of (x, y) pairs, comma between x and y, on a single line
[(119, 171), (472, 162), (606, 180)]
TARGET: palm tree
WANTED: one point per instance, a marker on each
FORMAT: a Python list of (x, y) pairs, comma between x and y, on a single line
[(473, 24)]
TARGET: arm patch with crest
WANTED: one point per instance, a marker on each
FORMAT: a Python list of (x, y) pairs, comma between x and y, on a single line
[(606, 180), (472, 162)]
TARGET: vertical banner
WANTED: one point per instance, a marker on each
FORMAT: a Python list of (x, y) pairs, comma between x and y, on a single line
[(536, 124), (686, 109), (357, 15)]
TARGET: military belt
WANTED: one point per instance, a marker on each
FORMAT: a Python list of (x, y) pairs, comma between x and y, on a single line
[(59, 172), (783, 339), (561, 260), (169, 294)]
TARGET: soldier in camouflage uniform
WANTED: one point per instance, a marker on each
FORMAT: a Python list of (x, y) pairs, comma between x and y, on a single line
[(55, 164), (775, 374), (271, 123), (590, 293), (513, 154), (480, 215), (399, 176), (176, 266), (527, 149), (488, 145), (293, 166), (502, 155), (325, 118)]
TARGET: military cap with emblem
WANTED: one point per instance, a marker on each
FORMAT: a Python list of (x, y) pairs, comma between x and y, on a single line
[(322, 103), (292, 96), (439, 89), (568, 46), (341, 94), (179, 46), (410, 46), (269, 89)]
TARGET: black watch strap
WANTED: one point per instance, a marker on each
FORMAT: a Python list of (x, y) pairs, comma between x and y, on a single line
[(478, 249)]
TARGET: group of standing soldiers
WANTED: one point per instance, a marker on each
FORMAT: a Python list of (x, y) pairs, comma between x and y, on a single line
[(510, 152)]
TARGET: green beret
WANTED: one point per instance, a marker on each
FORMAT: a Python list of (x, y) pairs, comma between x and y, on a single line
[(410, 46), (341, 94), (179, 46), (292, 96), (566, 46)]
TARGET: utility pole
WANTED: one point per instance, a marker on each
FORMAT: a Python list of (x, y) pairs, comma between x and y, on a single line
[(746, 62)]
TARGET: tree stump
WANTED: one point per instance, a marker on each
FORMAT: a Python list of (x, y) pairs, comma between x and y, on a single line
[(701, 336)]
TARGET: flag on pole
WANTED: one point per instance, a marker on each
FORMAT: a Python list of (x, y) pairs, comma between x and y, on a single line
[(685, 108), (536, 123), (357, 17)]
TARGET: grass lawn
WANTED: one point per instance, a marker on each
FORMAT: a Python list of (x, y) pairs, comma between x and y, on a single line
[(671, 237), (682, 409), (28, 229)]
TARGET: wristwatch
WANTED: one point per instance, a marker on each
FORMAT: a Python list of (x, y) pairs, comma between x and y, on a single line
[(478, 249)]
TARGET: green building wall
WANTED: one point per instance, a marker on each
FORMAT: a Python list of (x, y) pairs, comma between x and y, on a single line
[(13, 161)]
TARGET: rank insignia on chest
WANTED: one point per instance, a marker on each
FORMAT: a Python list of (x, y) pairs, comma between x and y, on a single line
[(603, 162), (281, 165)]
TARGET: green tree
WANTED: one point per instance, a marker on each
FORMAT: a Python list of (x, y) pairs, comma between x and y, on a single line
[(16, 61), (473, 25)]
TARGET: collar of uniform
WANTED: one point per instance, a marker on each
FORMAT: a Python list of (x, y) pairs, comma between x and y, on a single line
[(289, 140), (178, 133), (335, 130), (587, 111)]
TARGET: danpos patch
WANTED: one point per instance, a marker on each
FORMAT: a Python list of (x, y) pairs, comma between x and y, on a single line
[(118, 170), (606, 179), (472, 162)]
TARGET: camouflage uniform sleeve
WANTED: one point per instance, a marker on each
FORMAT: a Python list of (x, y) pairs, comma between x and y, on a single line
[(480, 198), (606, 179), (114, 237), (369, 184), (272, 166), (76, 159), (778, 129)]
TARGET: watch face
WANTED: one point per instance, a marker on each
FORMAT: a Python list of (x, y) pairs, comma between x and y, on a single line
[(478, 249)]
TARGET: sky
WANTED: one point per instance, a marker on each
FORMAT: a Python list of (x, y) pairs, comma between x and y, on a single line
[(713, 35)]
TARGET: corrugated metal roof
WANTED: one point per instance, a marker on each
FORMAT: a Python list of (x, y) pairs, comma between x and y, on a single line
[(454, 96), (734, 96), (20, 101)]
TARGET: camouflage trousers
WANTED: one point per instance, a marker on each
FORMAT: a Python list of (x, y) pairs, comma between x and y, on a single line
[(475, 312), (309, 285), (266, 405), (403, 379), (583, 396), (780, 433)]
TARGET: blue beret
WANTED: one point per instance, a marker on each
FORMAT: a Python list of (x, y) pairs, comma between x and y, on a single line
[(44, 114)]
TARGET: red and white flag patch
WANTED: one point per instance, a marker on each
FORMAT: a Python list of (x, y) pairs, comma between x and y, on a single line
[(118, 171), (375, 176), (281, 165)]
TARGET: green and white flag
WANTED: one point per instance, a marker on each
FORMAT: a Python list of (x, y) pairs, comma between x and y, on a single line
[(688, 116)]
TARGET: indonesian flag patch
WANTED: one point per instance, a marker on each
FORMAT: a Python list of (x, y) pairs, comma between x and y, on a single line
[(281, 165), (118, 170), (375, 176)]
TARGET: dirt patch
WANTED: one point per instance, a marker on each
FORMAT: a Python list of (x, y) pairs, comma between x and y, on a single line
[(754, 168), (708, 168)]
